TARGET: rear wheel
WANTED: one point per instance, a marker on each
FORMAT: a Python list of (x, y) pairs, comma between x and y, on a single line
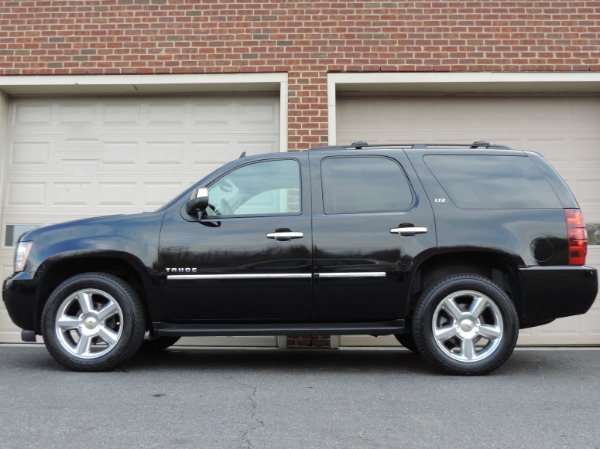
[(465, 324), (93, 322)]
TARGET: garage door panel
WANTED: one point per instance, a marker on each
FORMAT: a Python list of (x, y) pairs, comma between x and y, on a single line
[(25, 194), (587, 190), (32, 113), (120, 152), (256, 116), (122, 113), (164, 152), (117, 194), (210, 153), (591, 326), (587, 156), (211, 116), (254, 146), (82, 157), (72, 193), (155, 194), (10, 333), (564, 129), (26, 154), (166, 114), (585, 111)]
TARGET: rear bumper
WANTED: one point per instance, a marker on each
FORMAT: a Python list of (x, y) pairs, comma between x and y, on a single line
[(554, 292)]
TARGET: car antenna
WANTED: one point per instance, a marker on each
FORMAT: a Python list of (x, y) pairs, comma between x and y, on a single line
[(243, 155)]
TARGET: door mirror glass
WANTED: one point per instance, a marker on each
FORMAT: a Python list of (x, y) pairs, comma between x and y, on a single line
[(198, 202)]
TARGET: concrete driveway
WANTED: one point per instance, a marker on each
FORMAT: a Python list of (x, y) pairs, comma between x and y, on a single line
[(304, 399)]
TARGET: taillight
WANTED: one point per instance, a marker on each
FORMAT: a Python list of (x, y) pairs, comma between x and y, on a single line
[(577, 235)]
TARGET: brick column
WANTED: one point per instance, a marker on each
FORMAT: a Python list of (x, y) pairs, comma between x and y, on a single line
[(307, 109), (307, 118)]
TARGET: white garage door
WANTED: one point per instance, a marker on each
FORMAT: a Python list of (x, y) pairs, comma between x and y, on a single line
[(565, 130), (72, 158)]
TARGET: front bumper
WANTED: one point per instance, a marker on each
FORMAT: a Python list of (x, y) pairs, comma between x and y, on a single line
[(19, 295), (555, 292)]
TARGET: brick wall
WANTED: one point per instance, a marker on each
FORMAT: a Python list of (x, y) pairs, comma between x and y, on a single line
[(305, 39)]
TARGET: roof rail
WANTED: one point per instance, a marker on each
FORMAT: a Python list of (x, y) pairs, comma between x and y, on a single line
[(477, 144)]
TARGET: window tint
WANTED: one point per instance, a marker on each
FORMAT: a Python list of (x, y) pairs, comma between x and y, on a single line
[(492, 182), (354, 185), (263, 188)]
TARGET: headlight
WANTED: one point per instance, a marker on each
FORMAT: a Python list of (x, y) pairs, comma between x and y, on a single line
[(21, 254)]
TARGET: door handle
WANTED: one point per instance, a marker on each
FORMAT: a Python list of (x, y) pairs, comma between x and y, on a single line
[(409, 230), (285, 235)]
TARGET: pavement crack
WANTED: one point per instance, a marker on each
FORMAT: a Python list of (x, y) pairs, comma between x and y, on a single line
[(257, 423)]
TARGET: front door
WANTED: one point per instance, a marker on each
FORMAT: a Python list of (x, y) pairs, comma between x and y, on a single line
[(370, 223), (249, 256)]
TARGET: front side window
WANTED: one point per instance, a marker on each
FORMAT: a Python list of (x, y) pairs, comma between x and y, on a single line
[(354, 185), (261, 188)]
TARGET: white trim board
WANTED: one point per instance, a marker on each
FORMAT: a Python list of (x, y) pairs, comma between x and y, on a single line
[(140, 84), (455, 83)]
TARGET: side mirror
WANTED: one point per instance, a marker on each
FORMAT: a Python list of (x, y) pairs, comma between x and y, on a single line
[(198, 202)]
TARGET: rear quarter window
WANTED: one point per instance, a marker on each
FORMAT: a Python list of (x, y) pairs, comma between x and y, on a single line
[(492, 182)]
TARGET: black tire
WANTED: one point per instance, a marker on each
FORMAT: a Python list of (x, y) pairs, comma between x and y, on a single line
[(407, 341), (93, 322), (157, 344), (476, 325)]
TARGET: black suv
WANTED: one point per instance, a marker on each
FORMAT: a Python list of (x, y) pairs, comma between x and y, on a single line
[(451, 248)]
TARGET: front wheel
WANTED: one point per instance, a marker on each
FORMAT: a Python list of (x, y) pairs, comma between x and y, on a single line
[(465, 324), (93, 322)]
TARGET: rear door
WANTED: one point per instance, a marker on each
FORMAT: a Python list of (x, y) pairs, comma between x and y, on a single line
[(371, 223)]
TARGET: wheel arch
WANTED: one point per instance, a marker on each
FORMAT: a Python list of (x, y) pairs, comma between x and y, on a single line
[(499, 268), (56, 272)]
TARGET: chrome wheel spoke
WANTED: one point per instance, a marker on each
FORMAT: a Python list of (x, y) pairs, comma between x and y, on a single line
[(445, 333), (478, 306), (450, 306), (108, 310), (490, 332), (84, 298), (67, 323), (467, 349), (84, 344), (108, 335)]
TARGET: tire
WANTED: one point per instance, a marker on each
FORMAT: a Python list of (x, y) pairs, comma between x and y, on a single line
[(93, 322), (157, 344), (465, 324), (407, 341)]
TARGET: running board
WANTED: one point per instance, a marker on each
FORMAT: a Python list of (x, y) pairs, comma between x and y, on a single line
[(212, 330)]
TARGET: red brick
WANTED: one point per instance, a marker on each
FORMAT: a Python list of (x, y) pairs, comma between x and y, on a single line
[(307, 40)]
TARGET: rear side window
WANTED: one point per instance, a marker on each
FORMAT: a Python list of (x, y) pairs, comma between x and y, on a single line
[(492, 182), (354, 185)]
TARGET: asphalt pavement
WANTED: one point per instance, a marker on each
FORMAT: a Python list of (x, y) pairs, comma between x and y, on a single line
[(299, 399)]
